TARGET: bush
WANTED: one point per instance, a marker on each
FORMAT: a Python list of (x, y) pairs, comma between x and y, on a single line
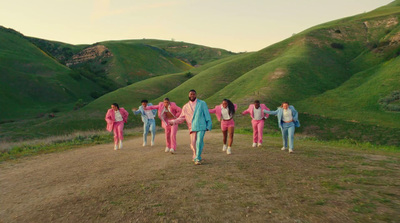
[(337, 46), (189, 74), (386, 101), (79, 104)]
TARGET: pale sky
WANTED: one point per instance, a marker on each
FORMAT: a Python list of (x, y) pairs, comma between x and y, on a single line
[(235, 25)]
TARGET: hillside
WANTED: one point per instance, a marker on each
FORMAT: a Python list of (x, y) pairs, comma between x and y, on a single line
[(343, 77), (339, 70), (32, 82)]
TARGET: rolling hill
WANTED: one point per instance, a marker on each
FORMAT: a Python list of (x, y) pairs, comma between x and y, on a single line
[(51, 76), (32, 82), (343, 76)]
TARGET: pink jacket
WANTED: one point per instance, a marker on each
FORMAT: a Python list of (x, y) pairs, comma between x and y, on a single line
[(251, 110), (217, 111), (174, 109), (110, 118)]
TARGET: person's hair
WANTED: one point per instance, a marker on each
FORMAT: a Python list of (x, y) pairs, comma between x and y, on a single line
[(144, 101), (116, 105), (166, 99), (285, 102), (231, 107), (193, 91), (256, 102)]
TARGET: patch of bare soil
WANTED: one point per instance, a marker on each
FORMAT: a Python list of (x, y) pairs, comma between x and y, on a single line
[(145, 184)]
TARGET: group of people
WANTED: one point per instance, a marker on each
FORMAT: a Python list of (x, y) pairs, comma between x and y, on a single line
[(198, 119)]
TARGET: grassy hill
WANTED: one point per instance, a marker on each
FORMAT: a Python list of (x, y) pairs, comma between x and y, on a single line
[(32, 82), (322, 71), (343, 76)]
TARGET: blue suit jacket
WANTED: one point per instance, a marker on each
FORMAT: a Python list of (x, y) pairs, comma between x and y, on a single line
[(201, 117), (143, 114), (279, 113)]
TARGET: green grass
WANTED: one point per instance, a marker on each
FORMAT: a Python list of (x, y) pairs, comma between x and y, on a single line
[(32, 82)]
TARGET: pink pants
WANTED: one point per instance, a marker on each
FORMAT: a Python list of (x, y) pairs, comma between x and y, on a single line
[(258, 127), (170, 136), (118, 131)]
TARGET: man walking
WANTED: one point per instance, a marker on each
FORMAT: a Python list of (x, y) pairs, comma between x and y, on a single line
[(148, 121), (198, 119)]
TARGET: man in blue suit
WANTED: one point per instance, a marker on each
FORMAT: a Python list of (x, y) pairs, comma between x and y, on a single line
[(148, 121), (198, 119)]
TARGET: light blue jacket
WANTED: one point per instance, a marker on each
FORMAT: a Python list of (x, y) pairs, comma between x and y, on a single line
[(201, 117), (143, 114), (279, 113)]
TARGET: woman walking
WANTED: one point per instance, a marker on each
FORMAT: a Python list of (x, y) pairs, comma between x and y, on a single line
[(288, 119), (115, 118), (225, 113), (167, 111)]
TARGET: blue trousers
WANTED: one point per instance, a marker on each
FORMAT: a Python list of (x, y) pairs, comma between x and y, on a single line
[(199, 144), (288, 133), (151, 125)]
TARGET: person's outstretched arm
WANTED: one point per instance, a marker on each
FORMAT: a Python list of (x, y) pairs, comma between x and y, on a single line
[(271, 112)]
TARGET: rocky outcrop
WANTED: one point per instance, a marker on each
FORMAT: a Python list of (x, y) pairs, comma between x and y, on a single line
[(88, 54)]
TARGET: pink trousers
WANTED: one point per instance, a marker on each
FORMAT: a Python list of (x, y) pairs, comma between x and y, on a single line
[(118, 131), (170, 136), (258, 127)]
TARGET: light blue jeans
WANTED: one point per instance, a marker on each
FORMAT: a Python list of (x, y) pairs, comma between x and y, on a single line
[(151, 125), (199, 144), (288, 132)]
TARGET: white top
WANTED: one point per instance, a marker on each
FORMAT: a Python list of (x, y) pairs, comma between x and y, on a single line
[(258, 115), (118, 116), (287, 115), (149, 114), (225, 113)]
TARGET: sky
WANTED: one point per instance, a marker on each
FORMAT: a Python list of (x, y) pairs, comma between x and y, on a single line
[(234, 25)]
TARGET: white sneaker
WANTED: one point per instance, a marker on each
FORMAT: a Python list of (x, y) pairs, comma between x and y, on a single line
[(229, 151), (166, 149), (254, 144), (259, 144), (224, 148), (172, 151), (120, 144), (115, 146), (152, 143), (144, 144), (290, 150), (283, 148)]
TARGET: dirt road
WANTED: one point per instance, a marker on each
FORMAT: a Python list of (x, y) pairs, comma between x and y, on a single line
[(144, 184)]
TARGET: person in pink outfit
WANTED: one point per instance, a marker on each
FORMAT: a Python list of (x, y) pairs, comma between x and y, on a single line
[(167, 111), (198, 120), (225, 113), (258, 116), (115, 118)]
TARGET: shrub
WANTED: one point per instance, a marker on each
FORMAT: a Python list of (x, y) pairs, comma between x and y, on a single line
[(79, 104), (337, 46), (189, 74), (386, 101)]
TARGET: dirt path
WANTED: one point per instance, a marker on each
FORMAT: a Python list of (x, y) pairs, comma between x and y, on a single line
[(144, 184)]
